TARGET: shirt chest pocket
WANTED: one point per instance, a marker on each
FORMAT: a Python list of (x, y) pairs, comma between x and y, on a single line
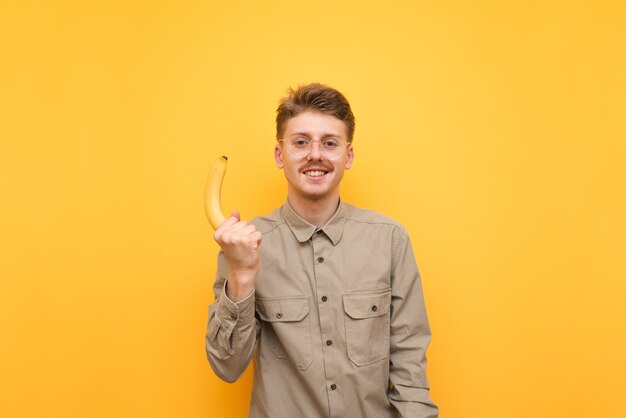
[(287, 328), (367, 325)]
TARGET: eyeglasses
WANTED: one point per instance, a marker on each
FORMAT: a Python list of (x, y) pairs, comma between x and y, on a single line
[(299, 146)]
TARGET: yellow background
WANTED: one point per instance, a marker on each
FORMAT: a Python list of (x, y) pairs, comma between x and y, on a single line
[(494, 130)]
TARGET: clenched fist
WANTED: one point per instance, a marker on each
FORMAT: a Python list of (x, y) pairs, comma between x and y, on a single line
[(240, 243)]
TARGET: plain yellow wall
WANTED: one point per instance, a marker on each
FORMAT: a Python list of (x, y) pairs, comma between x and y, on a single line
[(494, 130)]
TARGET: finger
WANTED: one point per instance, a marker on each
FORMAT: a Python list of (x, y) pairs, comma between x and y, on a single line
[(237, 233), (238, 226), (257, 237), (248, 229), (235, 214), (226, 225)]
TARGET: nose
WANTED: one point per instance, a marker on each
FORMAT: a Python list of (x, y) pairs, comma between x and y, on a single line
[(316, 152)]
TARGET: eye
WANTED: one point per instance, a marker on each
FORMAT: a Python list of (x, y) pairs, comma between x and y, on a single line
[(300, 141), (331, 143)]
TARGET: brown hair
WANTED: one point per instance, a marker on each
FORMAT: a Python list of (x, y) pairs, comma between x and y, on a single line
[(316, 97)]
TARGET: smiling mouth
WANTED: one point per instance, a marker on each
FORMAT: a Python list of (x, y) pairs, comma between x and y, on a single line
[(315, 173)]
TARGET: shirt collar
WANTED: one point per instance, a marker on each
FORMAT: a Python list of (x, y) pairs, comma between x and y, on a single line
[(304, 230)]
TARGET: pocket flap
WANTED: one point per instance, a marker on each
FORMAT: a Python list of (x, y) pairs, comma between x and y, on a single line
[(367, 304), (284, 309)]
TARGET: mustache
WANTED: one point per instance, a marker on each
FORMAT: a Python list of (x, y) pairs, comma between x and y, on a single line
[(316, 167)]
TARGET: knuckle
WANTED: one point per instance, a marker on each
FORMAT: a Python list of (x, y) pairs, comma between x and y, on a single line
[(227, 238)]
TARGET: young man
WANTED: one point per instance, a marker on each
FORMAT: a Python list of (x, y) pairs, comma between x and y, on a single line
[(324, 296)]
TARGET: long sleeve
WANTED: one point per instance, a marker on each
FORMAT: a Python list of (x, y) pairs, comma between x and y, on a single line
[(410, 335), (231, 331)]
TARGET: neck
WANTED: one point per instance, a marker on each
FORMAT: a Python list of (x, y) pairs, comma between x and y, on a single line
[(316, 212)]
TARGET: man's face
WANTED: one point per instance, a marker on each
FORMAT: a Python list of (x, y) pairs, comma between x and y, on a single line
[(314, 177)]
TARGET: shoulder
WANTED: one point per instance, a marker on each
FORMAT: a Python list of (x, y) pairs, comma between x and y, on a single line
[(367, 216), (384, 226), (268, 223)]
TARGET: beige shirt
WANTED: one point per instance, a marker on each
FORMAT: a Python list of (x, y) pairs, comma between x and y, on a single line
[(336, 325)]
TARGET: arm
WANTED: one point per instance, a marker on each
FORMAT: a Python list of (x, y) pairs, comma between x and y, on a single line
[(232, 328), (231, 331), (410, 335)]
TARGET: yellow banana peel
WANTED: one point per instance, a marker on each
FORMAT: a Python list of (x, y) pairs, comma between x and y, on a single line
[(213, 193)]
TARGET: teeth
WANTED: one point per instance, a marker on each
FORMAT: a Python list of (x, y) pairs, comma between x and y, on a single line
[(316, 173)]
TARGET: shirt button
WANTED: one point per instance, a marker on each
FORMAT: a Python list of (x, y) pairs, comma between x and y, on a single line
[(374, 308), (279, 315), (329, 342), (233, 317), (320, 259), (333, 386), (324, 298)]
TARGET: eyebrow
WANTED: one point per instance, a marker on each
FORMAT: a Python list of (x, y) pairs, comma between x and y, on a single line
[(327, 135)]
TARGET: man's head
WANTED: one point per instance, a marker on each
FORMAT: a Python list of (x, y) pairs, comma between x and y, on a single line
[(317, 98), (314, 128)]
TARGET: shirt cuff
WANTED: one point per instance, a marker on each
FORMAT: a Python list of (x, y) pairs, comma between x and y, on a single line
[(231, 313)]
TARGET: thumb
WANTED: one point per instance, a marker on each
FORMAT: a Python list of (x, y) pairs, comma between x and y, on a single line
[(235, 214)]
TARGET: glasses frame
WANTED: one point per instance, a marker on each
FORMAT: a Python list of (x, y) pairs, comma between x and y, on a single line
[(319, 142)]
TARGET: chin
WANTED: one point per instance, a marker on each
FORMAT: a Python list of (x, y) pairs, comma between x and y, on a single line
[(318, 194)]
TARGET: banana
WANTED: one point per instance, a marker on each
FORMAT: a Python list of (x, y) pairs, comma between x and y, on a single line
[(212, 195)]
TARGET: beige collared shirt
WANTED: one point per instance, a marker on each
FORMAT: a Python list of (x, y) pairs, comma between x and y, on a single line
[(336, 326)]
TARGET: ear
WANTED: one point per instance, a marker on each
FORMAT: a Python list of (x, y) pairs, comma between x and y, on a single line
[(350, 157), (278, 156)]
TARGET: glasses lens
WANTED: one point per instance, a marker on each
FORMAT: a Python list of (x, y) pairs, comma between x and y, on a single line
[(299, 147)]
